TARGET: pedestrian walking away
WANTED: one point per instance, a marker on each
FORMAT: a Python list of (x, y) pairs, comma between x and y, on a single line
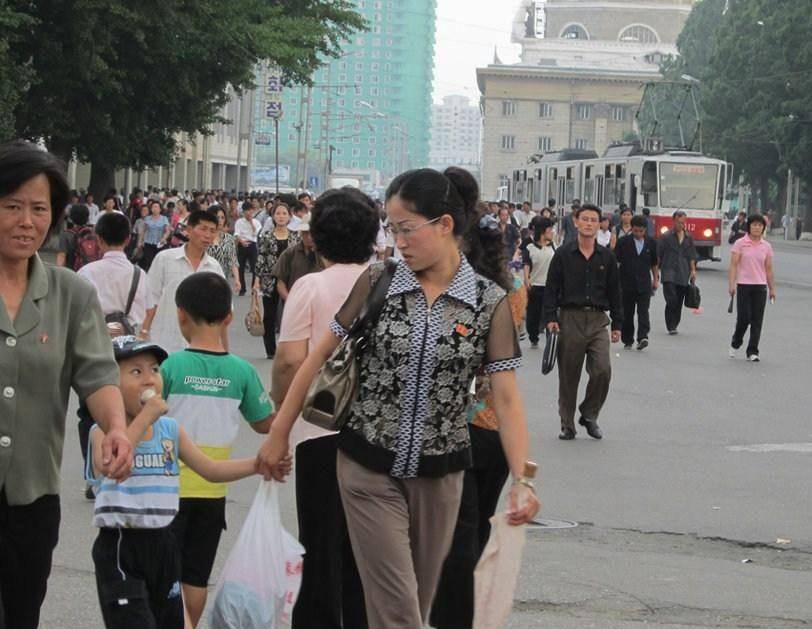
[(344, 225), (405, 443), (676, 258), (749, 278), (582, 284), (639, 277), (246, 231)]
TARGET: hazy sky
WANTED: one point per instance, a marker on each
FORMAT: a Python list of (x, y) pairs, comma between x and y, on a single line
[(467, 31)]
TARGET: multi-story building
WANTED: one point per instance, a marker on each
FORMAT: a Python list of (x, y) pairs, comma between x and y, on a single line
[(580, 78), (455, 134), (368, 111)]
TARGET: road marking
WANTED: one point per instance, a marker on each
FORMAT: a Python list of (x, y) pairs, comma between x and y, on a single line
[(773, 447)]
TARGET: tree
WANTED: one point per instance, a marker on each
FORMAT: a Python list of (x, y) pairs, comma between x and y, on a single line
[(115, 80), (755, 91), (14, 76)]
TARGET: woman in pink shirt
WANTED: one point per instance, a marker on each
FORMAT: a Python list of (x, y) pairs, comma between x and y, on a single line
[(344, 225), (749, 278)]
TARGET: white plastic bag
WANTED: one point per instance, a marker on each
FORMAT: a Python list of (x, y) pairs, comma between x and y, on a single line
[(496, 574), (261, 577)]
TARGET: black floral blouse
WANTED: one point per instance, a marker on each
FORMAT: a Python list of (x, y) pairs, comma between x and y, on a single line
[(410, 417), (269, 248), (225, 252)]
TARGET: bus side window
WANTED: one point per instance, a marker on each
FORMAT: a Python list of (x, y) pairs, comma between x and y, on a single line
[(649, 187)]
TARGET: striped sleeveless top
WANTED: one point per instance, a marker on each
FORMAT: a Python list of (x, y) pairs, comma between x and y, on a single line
[(148, 499)]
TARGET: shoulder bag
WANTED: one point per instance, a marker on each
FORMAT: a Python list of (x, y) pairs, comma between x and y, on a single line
[(118, 322), (335, 387)]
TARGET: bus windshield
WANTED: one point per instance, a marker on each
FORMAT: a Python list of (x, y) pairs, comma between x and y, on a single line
[(689, 186)]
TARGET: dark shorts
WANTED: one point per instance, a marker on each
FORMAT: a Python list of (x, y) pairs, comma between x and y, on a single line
[(138, 578), (197, 529)]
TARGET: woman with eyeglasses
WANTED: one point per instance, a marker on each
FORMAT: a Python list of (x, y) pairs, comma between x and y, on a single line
[(224, 247), (406, 444)]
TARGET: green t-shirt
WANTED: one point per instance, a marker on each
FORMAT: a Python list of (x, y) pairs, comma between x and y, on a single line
[(208, 393)]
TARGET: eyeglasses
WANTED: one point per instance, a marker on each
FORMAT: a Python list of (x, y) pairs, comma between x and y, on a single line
[(406, 232)]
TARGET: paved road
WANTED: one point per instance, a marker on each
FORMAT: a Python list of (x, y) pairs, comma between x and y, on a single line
[(706, 463)]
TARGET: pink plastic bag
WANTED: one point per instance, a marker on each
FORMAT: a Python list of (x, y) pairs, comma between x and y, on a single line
[(261, 577), (497, 573)]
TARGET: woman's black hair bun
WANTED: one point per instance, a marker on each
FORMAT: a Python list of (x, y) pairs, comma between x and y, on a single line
[(465, 184)]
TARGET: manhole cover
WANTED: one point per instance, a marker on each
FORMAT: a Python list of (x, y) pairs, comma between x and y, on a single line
[(542, 524)]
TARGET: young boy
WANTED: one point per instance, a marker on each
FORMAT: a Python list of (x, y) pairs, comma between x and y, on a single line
[(209, 391), (135, 554)]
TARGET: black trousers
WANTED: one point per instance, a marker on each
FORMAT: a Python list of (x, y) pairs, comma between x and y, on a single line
[(85, 424), (148, 255), (138, 578), (632, 301), (331, 595), (270, 311), (751, 300), (535, 305), (674, 299), (247, 256), (453, 606), (28, 536)]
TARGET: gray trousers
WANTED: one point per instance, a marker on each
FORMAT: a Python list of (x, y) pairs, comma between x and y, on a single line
[(401, 532), (583, 335)]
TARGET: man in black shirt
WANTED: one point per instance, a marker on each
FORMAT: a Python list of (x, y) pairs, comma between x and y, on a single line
[(676, 257), (582, 284), (639, 276)]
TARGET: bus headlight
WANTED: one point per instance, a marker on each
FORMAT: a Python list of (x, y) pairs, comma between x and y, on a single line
[(707, 233), (663, 229)]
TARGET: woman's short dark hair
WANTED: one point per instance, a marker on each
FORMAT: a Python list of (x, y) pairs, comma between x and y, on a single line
[(756, 218), (21, 160), (541, 225), (455, 192), (344, 224), (79, 214), (205, 296), (113, 228)]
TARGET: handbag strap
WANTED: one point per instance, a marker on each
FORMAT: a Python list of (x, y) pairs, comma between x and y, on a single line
[(133, 289), (374, 304)]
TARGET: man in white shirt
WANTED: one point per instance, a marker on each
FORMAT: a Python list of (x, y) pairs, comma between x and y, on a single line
[(92, 209), (298, 213), (168, 270), (246, 231), (523, 216), (114, 275)]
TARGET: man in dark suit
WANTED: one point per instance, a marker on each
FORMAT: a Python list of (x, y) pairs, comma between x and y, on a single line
[(639, 276)]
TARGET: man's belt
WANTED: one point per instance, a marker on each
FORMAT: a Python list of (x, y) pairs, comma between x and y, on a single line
[(583, 308)]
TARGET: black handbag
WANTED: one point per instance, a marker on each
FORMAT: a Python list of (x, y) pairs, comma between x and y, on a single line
[(692, 296), (334, 389), (550, 353)]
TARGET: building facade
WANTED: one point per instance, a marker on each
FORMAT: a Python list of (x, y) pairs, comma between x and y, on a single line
[(581, 75), (455, 134), (368, 111)]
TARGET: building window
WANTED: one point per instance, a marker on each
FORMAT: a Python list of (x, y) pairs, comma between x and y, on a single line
[(508, 108), (619, 114), (356, 152), (354, 163), (545, 144), (508, 142), (504, 181), (574, 31), (582, 144), (638, 34), (371, 152), (545, 110), (583, 112)]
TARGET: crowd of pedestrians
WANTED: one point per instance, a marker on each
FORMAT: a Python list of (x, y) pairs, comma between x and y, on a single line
[(130, 306)]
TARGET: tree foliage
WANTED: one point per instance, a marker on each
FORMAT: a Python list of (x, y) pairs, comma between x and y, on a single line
[(114, 81), (14, 75)]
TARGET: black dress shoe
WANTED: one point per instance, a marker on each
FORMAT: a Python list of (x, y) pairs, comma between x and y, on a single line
[(642, 344), (567, 434), (592, 428)]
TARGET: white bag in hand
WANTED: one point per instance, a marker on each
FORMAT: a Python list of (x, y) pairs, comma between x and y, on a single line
[(496, 574), (260, 580)]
